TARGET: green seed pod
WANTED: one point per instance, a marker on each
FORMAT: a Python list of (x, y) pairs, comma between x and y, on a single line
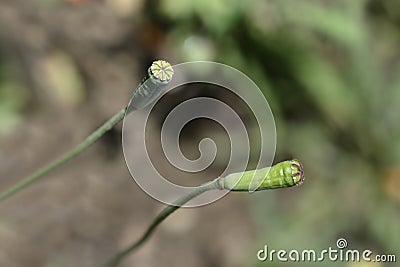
[(284, 174), (158, 75)]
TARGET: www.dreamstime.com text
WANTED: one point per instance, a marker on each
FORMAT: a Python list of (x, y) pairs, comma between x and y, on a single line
[(340, 253)]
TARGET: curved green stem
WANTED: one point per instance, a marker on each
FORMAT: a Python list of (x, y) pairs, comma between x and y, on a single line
[(160, 218), (159, 74), (65, 157), (284, 174)]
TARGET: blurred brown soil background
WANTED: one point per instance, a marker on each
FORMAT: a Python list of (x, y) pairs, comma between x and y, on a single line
[(80, 62), (329, 69)]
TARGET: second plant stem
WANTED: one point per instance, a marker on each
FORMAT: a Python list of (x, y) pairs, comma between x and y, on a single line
[(160, 218)]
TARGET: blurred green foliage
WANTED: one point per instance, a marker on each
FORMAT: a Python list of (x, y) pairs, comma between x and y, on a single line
[(330, 71), (12, 98)]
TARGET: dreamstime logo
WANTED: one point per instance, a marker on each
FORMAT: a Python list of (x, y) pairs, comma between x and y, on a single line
[(330, 254), (200, 73), (341, 243)]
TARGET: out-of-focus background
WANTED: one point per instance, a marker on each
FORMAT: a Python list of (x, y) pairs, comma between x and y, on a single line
[(330, 70)]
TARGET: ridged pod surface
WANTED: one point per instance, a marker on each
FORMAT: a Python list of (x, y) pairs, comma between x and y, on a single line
[(284, 174), (158, 75)]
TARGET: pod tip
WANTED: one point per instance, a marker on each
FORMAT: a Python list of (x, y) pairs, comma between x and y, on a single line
[(297, 172), (161, 70)]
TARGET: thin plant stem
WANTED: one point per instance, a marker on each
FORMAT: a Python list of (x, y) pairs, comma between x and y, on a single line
[(160, 218), (67, 156), (159, 74)]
